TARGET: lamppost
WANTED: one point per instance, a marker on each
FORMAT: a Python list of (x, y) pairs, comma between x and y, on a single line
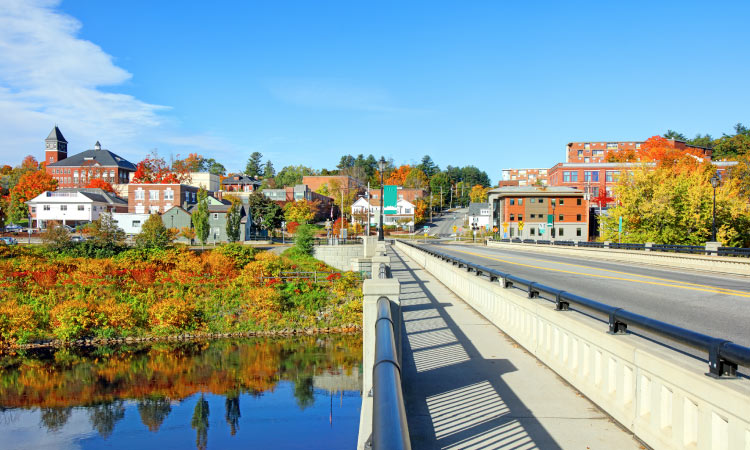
[(381, 167), (714, 183), (552, 233)]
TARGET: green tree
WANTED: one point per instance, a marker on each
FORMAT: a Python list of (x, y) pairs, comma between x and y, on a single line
[(254, 167), (292, 175), (416, 179), (268, 170), (233, 220), (154, 234), (671, 134), (200, 217), (303, 240), (210, 165), (56, 236), (266, 214), (428, 166), (702, 141), (731, 147), (105, 232)]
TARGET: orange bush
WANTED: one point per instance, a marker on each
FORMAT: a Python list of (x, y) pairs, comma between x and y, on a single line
[(15, 321), (118, 316), (172, 313)]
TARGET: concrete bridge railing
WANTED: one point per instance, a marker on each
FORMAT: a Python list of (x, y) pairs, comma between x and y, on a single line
[(662, 396)]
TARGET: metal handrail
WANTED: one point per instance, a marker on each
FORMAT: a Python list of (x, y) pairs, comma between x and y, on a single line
[(390, 429), (723, 355)]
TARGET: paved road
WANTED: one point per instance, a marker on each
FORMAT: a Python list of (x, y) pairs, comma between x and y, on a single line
[(443, 225), (718, 305)]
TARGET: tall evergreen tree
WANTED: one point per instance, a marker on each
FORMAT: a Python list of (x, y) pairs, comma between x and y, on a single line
[(254, 167), (428, 166), (200, 217), (233, 221), (268, 170)]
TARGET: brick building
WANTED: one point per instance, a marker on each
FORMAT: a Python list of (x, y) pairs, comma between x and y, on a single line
[(157, 198), (79, 169), (531, 206), (525, 177), (303, 192), (596, 152), (240, 183)]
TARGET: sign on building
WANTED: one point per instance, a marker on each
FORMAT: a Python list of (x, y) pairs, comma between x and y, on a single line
[(390, 199)]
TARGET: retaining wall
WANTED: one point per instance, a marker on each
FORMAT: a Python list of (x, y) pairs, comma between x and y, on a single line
[(662, 396), (722, 264), (338, 256)]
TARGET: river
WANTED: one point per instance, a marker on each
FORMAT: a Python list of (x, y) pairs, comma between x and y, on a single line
[(302, 392)]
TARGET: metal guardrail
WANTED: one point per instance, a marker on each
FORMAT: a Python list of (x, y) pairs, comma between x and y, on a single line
[(335, 241), (723, 355), (694, 249), (565, 243), (626, 246), (390, 430), (591, 244), (734, 251)]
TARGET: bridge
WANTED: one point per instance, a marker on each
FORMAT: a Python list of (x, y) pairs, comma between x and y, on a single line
[(484, 355)]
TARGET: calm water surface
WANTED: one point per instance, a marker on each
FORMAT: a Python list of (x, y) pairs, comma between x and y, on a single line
[(302, 392)]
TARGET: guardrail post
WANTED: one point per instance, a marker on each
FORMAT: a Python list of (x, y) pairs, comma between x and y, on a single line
[(648, 246), (372, 290), (712, 248), (606, 244)]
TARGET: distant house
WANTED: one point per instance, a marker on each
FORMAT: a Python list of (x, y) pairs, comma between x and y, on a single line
[(217, 220), (177, 218), (240, 183), (302, 192), (73, 206), (479, 215), (404, 216), (130, 223)]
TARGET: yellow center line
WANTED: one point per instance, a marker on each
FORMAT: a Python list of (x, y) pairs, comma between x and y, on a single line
[(690, 286)]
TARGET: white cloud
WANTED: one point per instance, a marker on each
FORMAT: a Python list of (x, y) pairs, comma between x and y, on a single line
[(49, 75)]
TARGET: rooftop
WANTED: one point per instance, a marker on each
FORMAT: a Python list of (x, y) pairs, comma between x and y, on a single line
[(104, 158)]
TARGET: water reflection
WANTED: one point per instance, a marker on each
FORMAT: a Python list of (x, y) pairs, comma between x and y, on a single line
[(278, 392)]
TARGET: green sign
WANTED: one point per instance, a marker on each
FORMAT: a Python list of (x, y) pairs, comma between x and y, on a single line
[(390, 198), (620, 227), (550, 219)]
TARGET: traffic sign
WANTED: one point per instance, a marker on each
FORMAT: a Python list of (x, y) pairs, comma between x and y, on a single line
[(426, 227), (455, 228), (542, 228), (505, 226), (494, 229), (520, 225)]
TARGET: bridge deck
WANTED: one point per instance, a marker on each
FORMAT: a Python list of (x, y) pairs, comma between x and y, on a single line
[(467, 385)]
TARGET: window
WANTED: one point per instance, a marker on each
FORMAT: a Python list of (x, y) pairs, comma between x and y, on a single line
[(586, 159), (578, 201), (637, 145), (531, 200), (45, 207), (611, 175), (532, 231), (612, 146), (561, 217), (541, 200), (512, 217), (578, 218), (153, 195), (80, 207), (63, 207), (591, 175), (533, 216), (136, 224), (587, 146), (520, 202), (561, 202), (139, 194), (407, 210), (595, 191), (598, 152), (520, 217), (580, 153), (154, 209), (513, 201), (33, 209), (169, 194), (570, 176), (216, 216), (560, 231), (578, 231)]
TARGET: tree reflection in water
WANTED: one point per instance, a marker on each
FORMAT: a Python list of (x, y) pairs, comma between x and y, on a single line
[(157, 376)]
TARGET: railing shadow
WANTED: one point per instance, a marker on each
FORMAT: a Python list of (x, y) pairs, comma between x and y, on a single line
[(456, 398)]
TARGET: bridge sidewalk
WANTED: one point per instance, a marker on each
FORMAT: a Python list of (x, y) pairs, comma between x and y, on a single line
[(468, 386)]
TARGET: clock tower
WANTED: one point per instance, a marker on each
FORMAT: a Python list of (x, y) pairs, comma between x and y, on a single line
[(56, 147)]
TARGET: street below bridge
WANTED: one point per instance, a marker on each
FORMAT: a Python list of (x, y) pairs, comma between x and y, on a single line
[(713, 304)]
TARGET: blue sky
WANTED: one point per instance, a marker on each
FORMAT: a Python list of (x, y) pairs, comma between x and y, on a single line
[(493, 84)]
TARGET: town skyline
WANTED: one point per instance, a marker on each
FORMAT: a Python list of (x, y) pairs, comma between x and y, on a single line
[(484, 85)]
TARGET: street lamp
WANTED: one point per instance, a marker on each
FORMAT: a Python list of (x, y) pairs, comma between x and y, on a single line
[(553, 217), (714, 183), (381, 167)]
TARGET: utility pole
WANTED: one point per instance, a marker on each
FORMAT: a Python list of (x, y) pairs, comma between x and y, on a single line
[(441, 198), (368, 208), (451, 189)]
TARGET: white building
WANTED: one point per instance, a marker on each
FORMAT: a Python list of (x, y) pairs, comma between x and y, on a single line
[(130, 223), (479, 215), (205, 180), (404, 216), (73, 206)]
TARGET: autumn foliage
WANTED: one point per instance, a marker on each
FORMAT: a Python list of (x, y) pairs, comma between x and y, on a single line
[(98, 183), (398, 176), (32, 184), (154, 169)]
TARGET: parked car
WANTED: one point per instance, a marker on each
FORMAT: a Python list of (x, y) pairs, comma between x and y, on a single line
[(8, 240), (13, 228), (69, 228), (77, 239)]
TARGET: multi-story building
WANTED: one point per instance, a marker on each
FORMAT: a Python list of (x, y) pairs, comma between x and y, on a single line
[(73, 206), (78, 170), (205, 180), (595, 178), (479, 215), (525, 211), (325, 205), (154, 198), (597, 152), (526, 177)]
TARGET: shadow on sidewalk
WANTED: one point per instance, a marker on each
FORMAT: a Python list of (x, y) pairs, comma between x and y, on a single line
[(454, 397)]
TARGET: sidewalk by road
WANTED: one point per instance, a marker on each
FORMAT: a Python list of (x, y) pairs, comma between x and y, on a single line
[(468, 386)]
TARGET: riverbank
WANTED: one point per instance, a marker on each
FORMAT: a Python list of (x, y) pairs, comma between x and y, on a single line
[(149, 295)]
